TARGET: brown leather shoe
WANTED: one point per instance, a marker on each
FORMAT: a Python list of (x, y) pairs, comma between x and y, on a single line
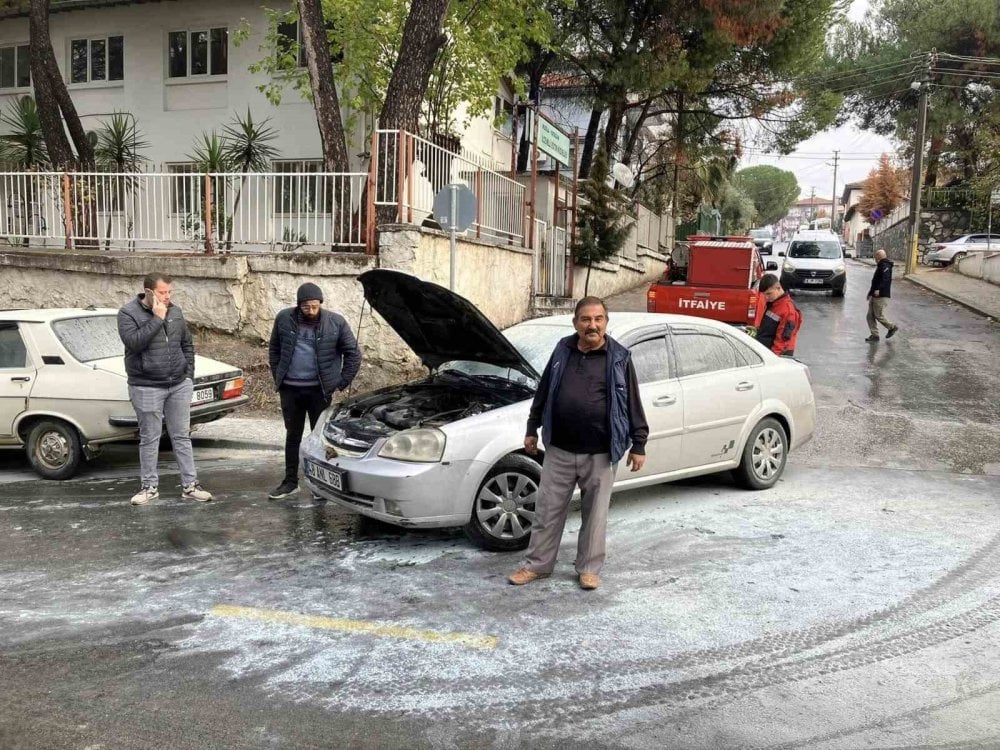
[(522, 576), (589, 581)]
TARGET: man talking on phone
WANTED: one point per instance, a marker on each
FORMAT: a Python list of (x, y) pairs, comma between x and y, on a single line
[(159, 362)]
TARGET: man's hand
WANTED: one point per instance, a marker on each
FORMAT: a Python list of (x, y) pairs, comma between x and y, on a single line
[(531, 445), (635, 461), (159, 309), (875, 293)]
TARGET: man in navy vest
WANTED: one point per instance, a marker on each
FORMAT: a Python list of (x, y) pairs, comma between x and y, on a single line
[(588, 407)]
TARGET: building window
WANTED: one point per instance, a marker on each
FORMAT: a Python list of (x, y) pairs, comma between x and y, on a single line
[(198, 53), (300, 189), (290, 38), (185, 189), (503, 117), (100, 59), (15, 67)]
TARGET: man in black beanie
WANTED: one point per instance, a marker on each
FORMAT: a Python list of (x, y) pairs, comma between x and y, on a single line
[(313, 353)]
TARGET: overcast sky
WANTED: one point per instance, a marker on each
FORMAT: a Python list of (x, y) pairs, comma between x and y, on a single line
[(812, 162)]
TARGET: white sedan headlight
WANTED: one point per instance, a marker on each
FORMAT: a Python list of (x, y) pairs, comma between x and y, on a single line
[(788, 267), (424, 445), (840, 269)]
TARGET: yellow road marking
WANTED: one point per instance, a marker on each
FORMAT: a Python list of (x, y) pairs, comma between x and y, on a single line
[(468, 640)]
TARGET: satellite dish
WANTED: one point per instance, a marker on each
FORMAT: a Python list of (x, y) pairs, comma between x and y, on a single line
[(623, 174)]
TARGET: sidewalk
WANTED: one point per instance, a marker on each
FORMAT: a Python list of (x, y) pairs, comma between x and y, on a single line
[(979, 296), (243, 433)]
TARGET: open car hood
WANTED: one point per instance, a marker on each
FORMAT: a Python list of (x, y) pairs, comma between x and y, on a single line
[(437, 324)]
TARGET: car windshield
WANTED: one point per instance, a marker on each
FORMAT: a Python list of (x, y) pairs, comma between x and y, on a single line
[(829, 249), (534, 342), (760, 233), (90, 337)]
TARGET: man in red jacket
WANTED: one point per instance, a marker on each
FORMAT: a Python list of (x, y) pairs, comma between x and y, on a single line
[(779, 321)]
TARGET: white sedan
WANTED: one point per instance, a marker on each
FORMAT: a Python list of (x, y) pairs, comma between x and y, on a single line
[(63, 390), (945, 253), (447, 450)]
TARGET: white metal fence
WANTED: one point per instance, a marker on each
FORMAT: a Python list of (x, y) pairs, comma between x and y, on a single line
[(409, 171), (253, 211)]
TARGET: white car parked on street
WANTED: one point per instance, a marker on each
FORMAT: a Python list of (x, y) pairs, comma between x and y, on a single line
[(945, 253), (63, 390), (447, 450)]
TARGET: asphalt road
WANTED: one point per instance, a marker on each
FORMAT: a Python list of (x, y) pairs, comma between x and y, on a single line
[(854, 605)]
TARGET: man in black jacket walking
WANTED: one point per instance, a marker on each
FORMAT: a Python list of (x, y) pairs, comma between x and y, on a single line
[(312, 353), (878, 297), (159, 362)]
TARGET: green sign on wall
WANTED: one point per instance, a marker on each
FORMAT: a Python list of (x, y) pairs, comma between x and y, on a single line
[(551, 140)]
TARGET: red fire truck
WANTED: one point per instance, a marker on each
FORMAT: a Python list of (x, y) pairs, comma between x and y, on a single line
[(718, 281)]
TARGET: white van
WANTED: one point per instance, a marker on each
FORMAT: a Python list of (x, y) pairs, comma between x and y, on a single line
[(814, 259)]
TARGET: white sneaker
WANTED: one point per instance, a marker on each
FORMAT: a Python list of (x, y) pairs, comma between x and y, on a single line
[(144, 495), (195, 491)]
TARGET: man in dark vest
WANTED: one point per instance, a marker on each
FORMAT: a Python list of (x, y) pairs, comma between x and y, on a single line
[(312, 354), (588, 407)]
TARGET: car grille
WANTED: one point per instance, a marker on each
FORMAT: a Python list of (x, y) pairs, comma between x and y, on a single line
[(813, 274), (349, 445), (354, 498)]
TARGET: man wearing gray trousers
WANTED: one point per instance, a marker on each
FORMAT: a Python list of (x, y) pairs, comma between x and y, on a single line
[(588, 407), (159, 362)]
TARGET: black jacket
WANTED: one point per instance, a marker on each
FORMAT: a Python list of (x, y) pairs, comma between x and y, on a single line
[(158, 353), (882, 279), (337, 351)]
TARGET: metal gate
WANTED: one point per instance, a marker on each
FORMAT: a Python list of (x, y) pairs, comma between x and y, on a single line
[(550, 249)]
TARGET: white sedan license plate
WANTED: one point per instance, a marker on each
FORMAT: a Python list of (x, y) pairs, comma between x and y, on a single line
[(812, 281), (202, 395), (329, 477)]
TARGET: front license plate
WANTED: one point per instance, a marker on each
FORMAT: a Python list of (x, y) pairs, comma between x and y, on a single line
[(202, 395), (330, 477), (812, 281)]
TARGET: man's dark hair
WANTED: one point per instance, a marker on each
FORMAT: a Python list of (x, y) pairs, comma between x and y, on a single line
[(153, 279), (767, 281), (586, 302)]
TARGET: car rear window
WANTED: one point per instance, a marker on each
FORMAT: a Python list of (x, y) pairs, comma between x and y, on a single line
[(90, 337)]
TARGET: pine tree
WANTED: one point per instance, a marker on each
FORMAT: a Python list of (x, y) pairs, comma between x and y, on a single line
[(600, 230)]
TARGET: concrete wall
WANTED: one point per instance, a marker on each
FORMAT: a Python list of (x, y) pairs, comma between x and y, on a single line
[(985, 266), (241, 294), (607, 279)]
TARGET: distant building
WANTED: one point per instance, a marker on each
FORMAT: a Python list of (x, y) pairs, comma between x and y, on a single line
[(856, 226)]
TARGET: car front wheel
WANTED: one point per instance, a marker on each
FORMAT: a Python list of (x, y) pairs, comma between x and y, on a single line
[(54, 449), (504, 507), (764, 456)]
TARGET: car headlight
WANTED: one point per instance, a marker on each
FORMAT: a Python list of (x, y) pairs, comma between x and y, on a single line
[(840, 269), (424, 445), (788, 267)]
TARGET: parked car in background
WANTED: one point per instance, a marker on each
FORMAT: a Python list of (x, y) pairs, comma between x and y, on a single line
[(448, 449), (763, 238), (63, 389), (946, 253), (815, 260)]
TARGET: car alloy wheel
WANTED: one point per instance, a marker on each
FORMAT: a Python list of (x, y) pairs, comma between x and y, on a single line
[(504, 507), (768, 454), (764, 455)]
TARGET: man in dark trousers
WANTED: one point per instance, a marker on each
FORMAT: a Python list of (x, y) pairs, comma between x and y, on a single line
[(779, 321), (159, 363), (588, 407), (312, 354), (878, 298)]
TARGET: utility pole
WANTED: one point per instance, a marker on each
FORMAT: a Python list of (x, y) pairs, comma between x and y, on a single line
[(833, 201), (923, 86), (812, 203)]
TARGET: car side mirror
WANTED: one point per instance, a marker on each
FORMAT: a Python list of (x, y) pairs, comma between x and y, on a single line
[(781, 253), (771, 266)]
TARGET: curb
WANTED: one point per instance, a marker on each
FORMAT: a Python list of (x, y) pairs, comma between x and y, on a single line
[(211, 442), (953, 298)]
